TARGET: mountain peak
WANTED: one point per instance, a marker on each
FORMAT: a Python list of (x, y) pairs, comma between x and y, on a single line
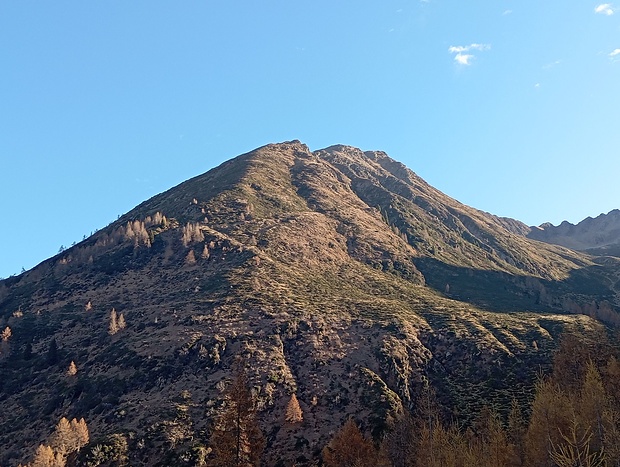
[(336, 275)]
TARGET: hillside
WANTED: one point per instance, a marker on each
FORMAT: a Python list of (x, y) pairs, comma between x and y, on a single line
[(337, 275)]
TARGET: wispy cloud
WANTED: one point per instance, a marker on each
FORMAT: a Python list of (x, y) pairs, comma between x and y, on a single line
[(551, 64), (615, 55), (506, 12), (460, 52), (605, 9)]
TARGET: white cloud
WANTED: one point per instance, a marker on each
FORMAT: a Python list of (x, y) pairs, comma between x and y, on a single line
[(506, 12), (463, 58), (605, 9), (615, 53)]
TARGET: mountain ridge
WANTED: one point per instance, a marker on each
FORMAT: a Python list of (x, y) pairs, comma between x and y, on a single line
[(598, 236)]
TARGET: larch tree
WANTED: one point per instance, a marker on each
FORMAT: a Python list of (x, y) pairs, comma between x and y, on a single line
[(72, 370), (80, 432), (400, 443), (349, 447), (593, 407), (517, 427), (121, 324), (69, 436), (63, 439), (551, 416), (294, 413), (113, 326), (237, 439), (190, 259), (6, 334), (493, 446), (45, 457)]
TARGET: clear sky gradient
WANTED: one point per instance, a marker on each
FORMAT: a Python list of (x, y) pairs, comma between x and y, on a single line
[(512, 107)]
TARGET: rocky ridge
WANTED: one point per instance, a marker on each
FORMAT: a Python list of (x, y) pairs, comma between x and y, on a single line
[(599, 235)]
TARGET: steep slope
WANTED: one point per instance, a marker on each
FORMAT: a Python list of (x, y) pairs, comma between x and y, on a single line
[(336, 275)]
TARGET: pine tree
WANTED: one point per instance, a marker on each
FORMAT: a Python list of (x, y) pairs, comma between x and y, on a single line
[(28, 351), (293, 410), (52, 352), (237, 440), (72, 371)]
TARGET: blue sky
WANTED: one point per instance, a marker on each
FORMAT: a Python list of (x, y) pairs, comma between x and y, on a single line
[(512, 107)]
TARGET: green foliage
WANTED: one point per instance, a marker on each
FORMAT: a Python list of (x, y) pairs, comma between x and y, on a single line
[(110, 451)]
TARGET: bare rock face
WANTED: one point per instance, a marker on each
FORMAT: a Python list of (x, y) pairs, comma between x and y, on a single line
[(337, 275), (599, 235)]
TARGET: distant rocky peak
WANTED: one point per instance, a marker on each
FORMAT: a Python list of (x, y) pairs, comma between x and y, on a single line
[(602, 231)]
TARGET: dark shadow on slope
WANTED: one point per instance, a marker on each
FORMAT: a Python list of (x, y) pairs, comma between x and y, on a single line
[(499, 291)]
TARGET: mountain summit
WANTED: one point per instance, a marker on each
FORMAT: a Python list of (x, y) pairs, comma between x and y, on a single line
[(338, 276)]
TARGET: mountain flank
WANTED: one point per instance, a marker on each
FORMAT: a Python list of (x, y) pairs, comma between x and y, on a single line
[(338, 276)]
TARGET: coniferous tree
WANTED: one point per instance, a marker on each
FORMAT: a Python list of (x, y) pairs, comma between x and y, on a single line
[(72, 370), (69, 436), (28, 351), (45, 457), (52, 352), (80, 432), (593, 409), (517, 427), (293, 410), (63, 440), (121, 324), (190, 259), (237, 439), (491, 442), (551, 416), (349, 447), (400, 442), (113, 326)]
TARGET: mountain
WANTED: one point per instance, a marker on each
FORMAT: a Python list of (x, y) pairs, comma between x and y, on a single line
[(597, 236), (337, 275)]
